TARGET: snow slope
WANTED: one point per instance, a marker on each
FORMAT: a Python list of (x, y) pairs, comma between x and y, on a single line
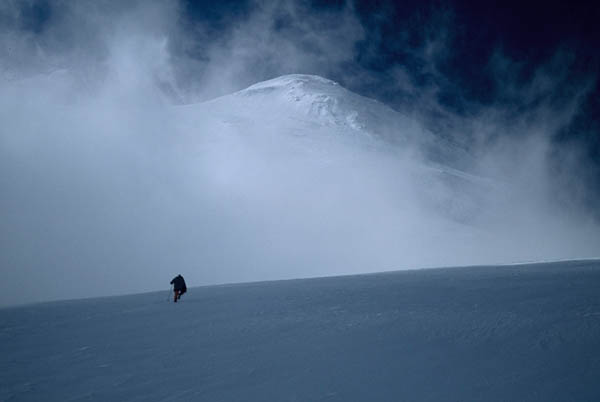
[(497, 333)]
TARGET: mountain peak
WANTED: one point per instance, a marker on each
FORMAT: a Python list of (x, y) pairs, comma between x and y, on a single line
[(323, 101), (292, 81)]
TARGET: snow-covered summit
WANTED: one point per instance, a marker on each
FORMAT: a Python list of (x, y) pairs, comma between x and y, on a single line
[(292, 80), (313, 106), (315, 118), (328, 103)]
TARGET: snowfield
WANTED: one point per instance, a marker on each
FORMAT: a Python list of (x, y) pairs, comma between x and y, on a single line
[(498, 333)]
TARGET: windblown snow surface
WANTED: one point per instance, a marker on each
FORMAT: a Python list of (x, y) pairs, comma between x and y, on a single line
[(495, 333)]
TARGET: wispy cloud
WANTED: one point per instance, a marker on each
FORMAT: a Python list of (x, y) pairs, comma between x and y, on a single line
[(107, 190)]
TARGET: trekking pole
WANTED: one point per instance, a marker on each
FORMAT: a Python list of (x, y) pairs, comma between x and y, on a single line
[(169, 295)]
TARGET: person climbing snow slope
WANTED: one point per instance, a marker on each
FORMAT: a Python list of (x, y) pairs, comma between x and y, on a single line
[(179, 287)]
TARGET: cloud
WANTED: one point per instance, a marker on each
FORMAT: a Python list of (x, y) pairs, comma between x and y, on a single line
[(108, 188), (272, 39)]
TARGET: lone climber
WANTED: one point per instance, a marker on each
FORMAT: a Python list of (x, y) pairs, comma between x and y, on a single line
[(179, 287)]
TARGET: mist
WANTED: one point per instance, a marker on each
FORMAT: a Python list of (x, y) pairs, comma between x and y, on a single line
[(114, 179)]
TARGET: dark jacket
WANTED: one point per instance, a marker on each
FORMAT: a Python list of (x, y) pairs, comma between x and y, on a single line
[(179, 283)]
